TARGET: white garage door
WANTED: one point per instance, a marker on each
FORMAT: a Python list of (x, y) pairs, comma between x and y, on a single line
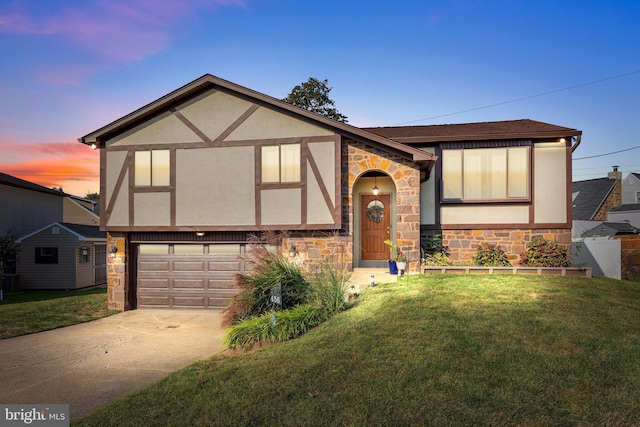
[(187, 275)]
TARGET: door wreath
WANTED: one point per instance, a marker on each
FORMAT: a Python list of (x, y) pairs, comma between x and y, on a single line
[(376, 212)]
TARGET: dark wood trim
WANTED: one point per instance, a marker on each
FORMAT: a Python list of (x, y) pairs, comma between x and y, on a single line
[(152, 189), (126, 166), (173, 184), (337, 208), (318, 176), (191, 126), (234, 143), (280, 186), (103, 188), (258, 189), (456, 202), (236, 124), (131, 160), (532, 171), (305, 158), (244, 228), (569, 192), (493, 226)]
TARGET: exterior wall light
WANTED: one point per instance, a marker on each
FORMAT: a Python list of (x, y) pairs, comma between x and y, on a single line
[(293, 252), (375, 188), (113, 251)]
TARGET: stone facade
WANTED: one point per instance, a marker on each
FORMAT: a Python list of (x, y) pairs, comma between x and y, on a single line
[(337, 248), (613, 200), (359, 159), (117, 277), (463, 244)]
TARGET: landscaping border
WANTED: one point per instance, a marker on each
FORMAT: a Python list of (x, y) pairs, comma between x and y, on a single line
[(540, 271)]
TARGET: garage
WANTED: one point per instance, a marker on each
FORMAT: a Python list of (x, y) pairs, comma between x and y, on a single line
[(190, 276)]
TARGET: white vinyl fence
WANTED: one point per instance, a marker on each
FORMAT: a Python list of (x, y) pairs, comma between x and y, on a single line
[(602, 254)]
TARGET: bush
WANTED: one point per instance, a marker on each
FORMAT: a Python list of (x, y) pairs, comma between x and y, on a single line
[(491, 256), (544, 253), (274, 327), (330, 288), (269, 269), (437, 259)]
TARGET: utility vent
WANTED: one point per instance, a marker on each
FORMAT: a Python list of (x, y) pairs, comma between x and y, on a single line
[(55, 230)]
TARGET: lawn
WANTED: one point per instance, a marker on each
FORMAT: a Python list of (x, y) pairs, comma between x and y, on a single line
[(28, 312), (428, 350)]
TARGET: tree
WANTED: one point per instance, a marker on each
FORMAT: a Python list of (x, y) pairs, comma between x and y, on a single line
[(313, 95), (92, 196)]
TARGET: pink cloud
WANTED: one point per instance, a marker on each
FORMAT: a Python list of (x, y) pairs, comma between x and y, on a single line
[(122, 31)]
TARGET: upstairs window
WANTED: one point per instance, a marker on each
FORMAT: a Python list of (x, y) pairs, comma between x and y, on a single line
[(281, 163), (486, 174), (152, 168)]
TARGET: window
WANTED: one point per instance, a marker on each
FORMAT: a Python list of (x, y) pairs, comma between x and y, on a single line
[(281, 163), (484, 174), (46, 256), (152, 168), (637, 196), (83, 254)]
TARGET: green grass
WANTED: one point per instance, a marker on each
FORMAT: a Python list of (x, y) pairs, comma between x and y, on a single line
[(428, 350), (28, 312)]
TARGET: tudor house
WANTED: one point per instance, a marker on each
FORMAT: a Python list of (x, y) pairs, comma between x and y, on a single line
[(187, 178)]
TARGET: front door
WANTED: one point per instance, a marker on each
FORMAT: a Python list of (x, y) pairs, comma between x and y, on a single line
[(375, 214)]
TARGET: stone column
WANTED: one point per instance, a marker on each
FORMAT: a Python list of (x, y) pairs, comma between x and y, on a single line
[(117, 280)]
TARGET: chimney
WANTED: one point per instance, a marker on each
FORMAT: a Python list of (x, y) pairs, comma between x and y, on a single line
[(617, 189)]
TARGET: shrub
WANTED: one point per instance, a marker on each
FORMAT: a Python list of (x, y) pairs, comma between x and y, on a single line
[(545, 253), (491, 256), (274, 327), (437, 259), (269, 269), (330, 288)]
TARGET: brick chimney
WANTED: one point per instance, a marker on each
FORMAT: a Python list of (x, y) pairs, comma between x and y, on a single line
[(616, 194)]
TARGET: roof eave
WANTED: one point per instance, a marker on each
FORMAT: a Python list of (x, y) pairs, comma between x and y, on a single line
[(209, 81), (491, 136)]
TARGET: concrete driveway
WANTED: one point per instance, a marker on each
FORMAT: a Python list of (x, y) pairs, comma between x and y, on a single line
[(92, 364)]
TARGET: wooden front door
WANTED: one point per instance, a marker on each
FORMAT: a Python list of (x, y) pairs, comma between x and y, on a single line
[(375, 214)]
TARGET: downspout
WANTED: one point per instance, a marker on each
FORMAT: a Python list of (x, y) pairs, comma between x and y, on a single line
[(576, 138)]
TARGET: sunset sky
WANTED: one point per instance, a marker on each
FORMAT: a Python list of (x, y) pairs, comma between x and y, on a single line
[(70, 67)]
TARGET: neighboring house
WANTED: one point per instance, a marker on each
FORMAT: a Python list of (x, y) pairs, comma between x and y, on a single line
[(29, 207), (611, 229), (78, 210), (631, 189), (628, 212), (62, 256), (186, 179), (593, 198)]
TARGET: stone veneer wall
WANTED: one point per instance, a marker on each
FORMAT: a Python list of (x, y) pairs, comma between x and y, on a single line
[(117, 278), (463, 244), (360, 158), (337, 248), (613, 200)]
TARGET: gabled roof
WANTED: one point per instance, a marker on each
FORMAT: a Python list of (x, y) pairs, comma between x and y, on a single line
[(82, 232), (21, 183), (611, 229), (208, 82), (591, 195), (509, 129), (626, 208), (88, 231)]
